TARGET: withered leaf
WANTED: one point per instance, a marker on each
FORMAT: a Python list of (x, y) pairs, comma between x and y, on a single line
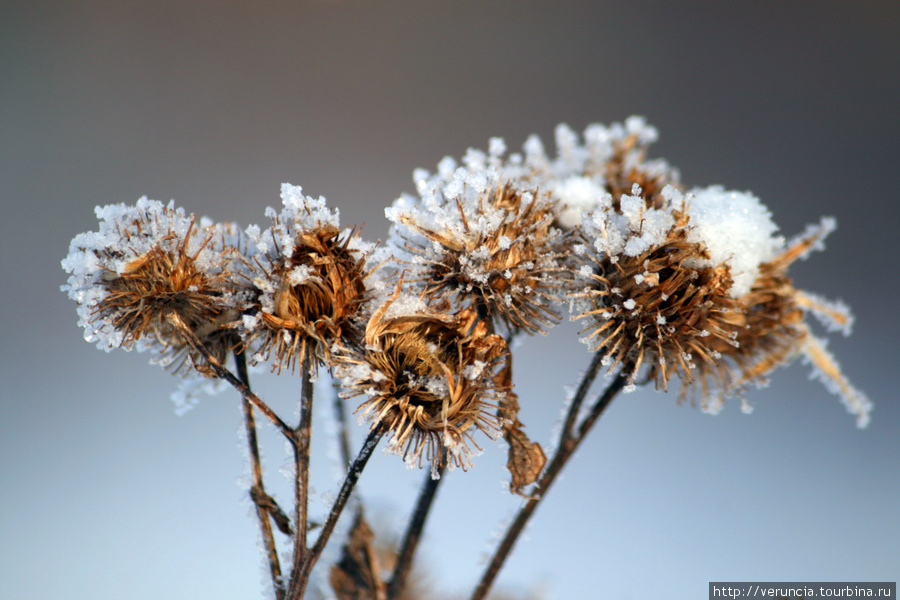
[(267, 503), (526, 459), (355, 575)]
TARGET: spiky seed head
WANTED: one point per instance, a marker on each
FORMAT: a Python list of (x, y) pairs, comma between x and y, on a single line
[(659, 308), (427, 378), (498, 253), (311, 298), (628, 170), (147, 261), (700, 290), (309, 284)]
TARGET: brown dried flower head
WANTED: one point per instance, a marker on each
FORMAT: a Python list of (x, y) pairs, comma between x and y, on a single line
[(611, 161), (367, 562), (494, 250), (628, 167), (773, 328), (681, 288), (146, 262), (428, 380), (310, 282), (660, 305)]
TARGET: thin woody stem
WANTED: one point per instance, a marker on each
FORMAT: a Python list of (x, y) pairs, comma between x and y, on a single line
[(586, 381), (301, 476), (567, 446), (414, 532), (227, 375), (300, 578), (340, 414), (265, 525)]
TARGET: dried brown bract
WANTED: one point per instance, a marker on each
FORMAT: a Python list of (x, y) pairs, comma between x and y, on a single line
[(525, 458), (427, 378)]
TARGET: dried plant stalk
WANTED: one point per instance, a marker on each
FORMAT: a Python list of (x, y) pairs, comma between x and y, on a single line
[(413, 533), (564, 452), (265, 505)]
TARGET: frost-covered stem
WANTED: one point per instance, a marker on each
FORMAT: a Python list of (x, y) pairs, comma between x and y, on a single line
[(587, 380), (227, 375), (301, 476), (300, 578), (567, 446), (414, 532), (265, 525), (340, 415)]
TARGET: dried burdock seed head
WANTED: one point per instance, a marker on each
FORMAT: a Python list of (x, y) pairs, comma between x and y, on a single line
[(697, 287), (775, 330), (628, 168), (357, 575), (367, 560), (483, 245), (145, 262), (658, 303), (610, 160), (427, 377), (310, 284)]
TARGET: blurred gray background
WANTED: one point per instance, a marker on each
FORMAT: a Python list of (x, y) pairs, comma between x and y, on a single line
[(106, 494)]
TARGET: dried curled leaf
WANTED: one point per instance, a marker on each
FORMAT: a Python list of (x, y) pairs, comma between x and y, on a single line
[(268, 504), (355, 575), (526, 459)]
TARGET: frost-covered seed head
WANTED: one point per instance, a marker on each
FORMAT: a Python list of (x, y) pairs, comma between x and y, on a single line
[(612, 161), (495, 251), (697, 286), (672, 311), (145, 262), (310, 285), (428, 379), (629, 172)]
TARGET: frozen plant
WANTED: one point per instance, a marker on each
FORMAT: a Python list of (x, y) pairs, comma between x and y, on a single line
[(671, 285)]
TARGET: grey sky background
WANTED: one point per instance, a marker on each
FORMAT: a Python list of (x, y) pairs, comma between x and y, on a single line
[(106, 494)]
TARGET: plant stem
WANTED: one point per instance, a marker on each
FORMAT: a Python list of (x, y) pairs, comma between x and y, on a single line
[(227, 375), (340, 415), (301, 475), (569, 442), (300, 578), (414, 532), (575, 406), (265, 525)]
